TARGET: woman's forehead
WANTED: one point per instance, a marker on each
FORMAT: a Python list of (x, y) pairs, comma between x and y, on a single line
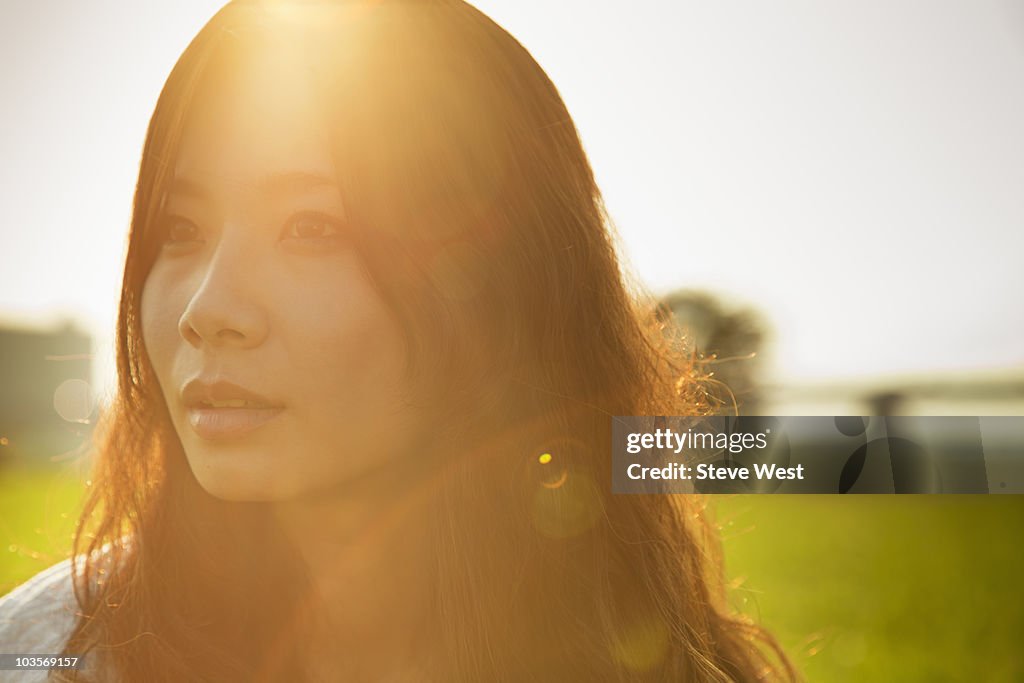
[(256, 118)]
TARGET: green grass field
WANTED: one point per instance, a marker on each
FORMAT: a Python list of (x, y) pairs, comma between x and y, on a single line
[(38, 510), (869, 588), (884, 588)]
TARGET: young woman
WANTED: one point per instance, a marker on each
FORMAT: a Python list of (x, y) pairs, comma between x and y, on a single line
[(371, 337)]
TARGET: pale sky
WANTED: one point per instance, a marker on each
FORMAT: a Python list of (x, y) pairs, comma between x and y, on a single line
[(854, 169)]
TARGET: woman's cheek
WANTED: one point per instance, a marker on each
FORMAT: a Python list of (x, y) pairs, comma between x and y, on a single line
[(159, 324), (149, 310)]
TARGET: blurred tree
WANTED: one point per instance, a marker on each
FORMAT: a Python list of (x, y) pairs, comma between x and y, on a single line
[(45, 397), (729, 338)]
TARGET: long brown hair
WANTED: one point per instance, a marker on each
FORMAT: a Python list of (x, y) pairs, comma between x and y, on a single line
[(475, 211)]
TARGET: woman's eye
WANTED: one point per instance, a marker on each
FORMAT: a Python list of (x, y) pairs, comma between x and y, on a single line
[(175, 230), (313, 229)]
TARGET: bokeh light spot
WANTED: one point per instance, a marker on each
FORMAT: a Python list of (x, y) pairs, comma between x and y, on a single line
[(557, 482), (73, 401), (642, 644), (568, 507)]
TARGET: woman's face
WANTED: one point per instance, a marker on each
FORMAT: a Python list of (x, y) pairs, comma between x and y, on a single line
[(256, 285)]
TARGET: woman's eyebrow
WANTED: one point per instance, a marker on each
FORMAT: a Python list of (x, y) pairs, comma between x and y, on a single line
[(183, 187)]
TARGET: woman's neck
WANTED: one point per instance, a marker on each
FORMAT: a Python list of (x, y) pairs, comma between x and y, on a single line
[(369, 555)]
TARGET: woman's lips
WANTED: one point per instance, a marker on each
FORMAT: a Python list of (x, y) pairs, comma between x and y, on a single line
[(215, 424)]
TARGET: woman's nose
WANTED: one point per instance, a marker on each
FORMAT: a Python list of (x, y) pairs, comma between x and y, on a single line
[(226, 310)]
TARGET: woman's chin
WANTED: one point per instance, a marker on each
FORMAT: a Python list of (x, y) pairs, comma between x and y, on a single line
[(240, 482)]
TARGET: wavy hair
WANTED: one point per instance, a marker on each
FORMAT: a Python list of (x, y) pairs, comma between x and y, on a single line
[(476, 213)]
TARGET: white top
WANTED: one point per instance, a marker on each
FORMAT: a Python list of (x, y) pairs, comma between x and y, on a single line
[(37, 617)]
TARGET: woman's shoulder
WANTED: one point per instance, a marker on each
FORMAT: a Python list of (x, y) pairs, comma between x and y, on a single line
[(38, 616)]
